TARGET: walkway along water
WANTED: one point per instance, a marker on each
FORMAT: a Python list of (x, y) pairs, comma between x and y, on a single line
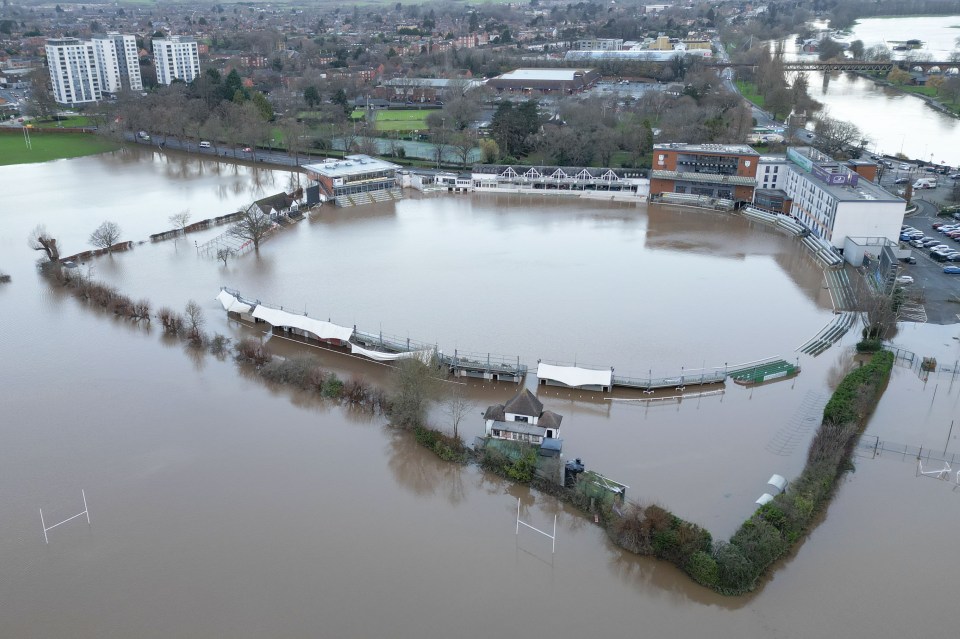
[(385, 348)]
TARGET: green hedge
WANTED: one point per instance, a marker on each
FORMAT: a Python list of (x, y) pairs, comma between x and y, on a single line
[(734, 567)]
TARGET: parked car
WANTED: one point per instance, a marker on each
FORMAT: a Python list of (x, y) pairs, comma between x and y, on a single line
[(954, 176), (902, 180), (954, 257), (905, 167), (937, 225), (952, 270), (937, 256), (916, 244), (908, 260), (904, 279)]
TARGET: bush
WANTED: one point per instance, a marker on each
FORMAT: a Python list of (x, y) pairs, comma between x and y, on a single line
[(249, 349), (446, 448), (522, 468), (218, 345), (869, 345), (735, 573), (332, 386), (703, 569), (295, 371)]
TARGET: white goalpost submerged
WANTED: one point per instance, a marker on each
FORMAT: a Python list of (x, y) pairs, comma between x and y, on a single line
[(552, 538), (86, 511)]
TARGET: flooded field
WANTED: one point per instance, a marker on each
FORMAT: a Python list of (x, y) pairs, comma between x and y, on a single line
[(221, 506)]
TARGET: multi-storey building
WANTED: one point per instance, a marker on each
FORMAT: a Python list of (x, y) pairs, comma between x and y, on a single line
[(73, 71), (176, 58), (830, 199), (118, 62), (716, 170)]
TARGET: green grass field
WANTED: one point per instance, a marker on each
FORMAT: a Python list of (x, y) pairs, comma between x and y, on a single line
[(70, 121), (749, 91), (50, 146), (410, 120)]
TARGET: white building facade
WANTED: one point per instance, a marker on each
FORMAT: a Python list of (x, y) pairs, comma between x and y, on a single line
[(118, 62), (176, 58), (73, 71), (828, 198)]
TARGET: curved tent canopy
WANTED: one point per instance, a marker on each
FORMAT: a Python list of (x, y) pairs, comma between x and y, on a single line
[(574, 376)]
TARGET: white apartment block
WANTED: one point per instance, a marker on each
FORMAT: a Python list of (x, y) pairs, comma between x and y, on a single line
[(830, 199), (73, 71), (176, 58), (118, 62)]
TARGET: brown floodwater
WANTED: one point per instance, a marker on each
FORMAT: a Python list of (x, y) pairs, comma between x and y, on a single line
[(221, 506)]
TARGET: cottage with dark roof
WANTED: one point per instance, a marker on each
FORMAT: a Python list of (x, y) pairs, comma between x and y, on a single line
[(523, 419)]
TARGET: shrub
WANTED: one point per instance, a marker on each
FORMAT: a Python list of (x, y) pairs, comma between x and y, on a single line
[(218, 345), (869, 345), (735, 573), (760, 541), (295, 371), (446, 448), (332, 386), (249, 349), (703, 569), (522, 468)]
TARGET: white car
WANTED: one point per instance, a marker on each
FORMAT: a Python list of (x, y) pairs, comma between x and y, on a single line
[(905, 167), (904, 279)]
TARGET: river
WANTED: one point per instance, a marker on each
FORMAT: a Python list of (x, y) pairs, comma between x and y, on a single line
[(221, 506), (892, 121)]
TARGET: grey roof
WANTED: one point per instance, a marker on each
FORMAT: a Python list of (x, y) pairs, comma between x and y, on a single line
[(550, 419), (495, 412), (525, 428), (356, 164), (524, 403), (739, 149), (277, 202), (562, 75)]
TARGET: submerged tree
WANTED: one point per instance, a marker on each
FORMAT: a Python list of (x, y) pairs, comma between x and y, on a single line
[(252, 226), (456, 406), (105, 235), (41, 240), (415, 388)]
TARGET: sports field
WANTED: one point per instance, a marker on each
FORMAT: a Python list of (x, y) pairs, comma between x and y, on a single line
[(396, 120), (50, 146)]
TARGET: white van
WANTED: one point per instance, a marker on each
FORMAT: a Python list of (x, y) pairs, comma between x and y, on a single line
[(204, 145), (925, 183)]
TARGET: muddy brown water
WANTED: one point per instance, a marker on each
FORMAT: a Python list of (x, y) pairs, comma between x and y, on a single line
[(224, 507)]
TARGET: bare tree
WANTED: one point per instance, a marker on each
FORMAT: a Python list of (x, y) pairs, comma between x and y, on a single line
[(224, 254), (41, 240), (105, 235), (464, 142), (456, 406), (252, 226), (195, 322), (180, 220), (835, 137)]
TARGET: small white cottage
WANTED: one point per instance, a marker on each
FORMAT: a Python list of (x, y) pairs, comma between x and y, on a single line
[(522, 419)]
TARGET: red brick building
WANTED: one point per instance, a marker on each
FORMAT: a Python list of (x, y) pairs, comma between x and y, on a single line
[(715, 170)]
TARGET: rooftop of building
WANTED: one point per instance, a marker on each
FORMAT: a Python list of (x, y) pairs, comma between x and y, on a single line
[(350, 165), (719, 149), (433, 83), (556, 75), (861, 190)]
